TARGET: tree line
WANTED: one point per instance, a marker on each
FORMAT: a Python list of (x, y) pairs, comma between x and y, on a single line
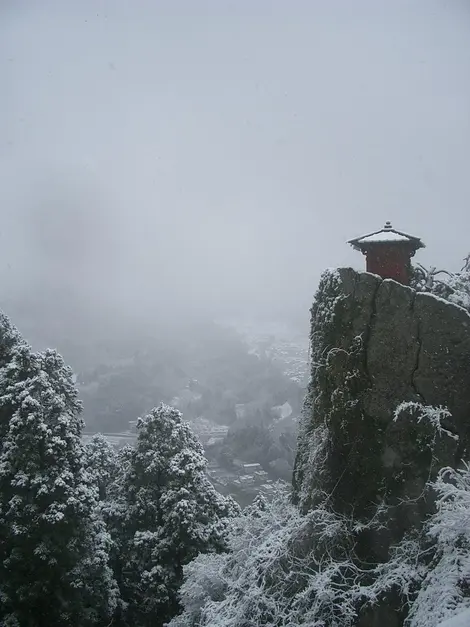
[(90, 536)]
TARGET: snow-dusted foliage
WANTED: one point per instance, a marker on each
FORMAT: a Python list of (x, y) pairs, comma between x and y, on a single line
[(460, 288), (53, 549), (434, 416), (454, 287), (289, 570), (226, 589), (445, 590), (462, 619), (168, 512), (102, 463)]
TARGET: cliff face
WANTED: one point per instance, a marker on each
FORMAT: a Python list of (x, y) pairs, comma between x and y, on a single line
[(377, 344)]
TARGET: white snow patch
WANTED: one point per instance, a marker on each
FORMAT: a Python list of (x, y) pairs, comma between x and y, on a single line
[(445, 301), (384, 236), (460, 620)]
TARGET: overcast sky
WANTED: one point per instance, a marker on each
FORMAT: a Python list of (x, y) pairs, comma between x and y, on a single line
[(217, 154)]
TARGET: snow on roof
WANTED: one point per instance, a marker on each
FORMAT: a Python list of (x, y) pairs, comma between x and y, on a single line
[(384, 236), (387, 234)]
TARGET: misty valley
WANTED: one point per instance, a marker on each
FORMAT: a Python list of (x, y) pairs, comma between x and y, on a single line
[(240, 388), (240, 391)]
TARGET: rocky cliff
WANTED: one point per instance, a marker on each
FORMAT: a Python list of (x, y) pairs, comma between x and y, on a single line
[(387, 406)]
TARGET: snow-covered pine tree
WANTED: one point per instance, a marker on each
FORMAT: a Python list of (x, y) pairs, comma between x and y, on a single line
[(172, 513), (54, 548), (114, 511), (102, 463)]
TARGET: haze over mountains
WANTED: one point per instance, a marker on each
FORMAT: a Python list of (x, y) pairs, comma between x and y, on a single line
[(168, 161)]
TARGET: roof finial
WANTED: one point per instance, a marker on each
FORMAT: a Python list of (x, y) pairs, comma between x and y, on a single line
[(388, 225)]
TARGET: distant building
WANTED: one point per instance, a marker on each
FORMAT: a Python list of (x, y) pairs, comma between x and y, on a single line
[(249, 469), (219, 430), (214, 441), (206, 430)]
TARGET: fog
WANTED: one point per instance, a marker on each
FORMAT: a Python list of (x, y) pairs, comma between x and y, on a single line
[(212, 157)]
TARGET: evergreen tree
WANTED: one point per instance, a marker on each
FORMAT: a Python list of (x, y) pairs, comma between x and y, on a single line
[(115, 513), (171, 514), (102, 463), (54, 548)]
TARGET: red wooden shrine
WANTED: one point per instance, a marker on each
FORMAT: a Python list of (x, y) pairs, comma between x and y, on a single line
[(388, 252)]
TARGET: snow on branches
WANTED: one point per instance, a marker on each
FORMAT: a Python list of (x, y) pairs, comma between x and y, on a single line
[(169, 512), (285, 569), (454, 287), (445, 589), (434, 416)]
